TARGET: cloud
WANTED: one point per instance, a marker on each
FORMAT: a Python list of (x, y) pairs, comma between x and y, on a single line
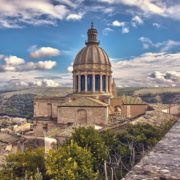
[(19, 84), (74, 17), (40, 65), (136, 20), (13, 60), (125, 30), (44, 83), (138, 71), (71, 3), (106, 31), (122, 24), (14, 63), (157, 25), (163, 46), (70, 68), (168, 76), (44, 52), (149, 7), (117, 23), (14, 14)]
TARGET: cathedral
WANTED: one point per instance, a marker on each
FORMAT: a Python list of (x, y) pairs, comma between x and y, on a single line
[(94, 99)]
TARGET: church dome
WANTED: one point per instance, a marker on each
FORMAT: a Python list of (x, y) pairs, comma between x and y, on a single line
[(92, 57), (92, 68), (92, 54)]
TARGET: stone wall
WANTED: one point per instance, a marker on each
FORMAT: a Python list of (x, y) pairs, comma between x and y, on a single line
[(95, 115), (47, 106), (134, 110), (41, 126), (163, 162)]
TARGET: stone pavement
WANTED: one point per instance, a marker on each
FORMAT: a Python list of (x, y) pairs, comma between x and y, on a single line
[(163, 162)]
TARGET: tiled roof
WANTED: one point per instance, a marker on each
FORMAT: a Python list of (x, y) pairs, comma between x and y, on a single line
[(85, 102), (7, 138), (132, 100)]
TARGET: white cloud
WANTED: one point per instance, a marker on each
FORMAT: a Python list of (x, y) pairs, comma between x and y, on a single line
[(125, 29), (44, 52), (168, 76), (157, 25), (70, 68), (146, 42), (14, 63), (118, 23), (163, 46), (40, 65), (136, 20), (123, 25), (44, 83), (152, 7), (7, 68), (138, 70), (17, 12), (13, 60), (74, 17), (106, 31), (71, 3)]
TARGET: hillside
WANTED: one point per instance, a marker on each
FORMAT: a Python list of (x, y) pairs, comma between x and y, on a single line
[(159, 95), (20, 103)]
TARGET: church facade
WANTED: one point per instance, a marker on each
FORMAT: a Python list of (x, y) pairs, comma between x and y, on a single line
[(94, 99)]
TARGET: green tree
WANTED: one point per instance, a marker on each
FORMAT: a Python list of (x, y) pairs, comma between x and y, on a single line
[(24, 163), (70, 162), (91, 139)]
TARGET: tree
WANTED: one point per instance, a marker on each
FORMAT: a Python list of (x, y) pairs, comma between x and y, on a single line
[(91, 139), (24, 164), (70, 162)]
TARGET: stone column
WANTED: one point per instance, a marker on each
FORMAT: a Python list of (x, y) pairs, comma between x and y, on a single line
[(85, 82), (79, 83), (107, 84), (101, 83), (93, 82)]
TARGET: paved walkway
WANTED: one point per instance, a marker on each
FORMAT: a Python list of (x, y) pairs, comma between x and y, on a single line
[(163, 162)]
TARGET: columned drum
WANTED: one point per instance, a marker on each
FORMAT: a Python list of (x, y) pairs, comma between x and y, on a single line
[(92, 68)]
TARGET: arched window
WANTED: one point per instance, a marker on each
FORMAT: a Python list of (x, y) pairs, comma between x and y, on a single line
[(89, 82), (77, 83), (104, 82), (97, 82), (82, 83)]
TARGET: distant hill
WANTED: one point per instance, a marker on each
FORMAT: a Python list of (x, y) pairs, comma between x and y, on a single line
[(164, 95), (20, 102)]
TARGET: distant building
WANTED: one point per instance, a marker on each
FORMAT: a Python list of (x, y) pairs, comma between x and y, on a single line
[(94, 99)]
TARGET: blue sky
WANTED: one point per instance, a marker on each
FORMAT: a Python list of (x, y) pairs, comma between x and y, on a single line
[(40, 38)]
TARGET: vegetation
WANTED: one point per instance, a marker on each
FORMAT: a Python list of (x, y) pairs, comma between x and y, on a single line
[(24, 164), (92, 140), (70, 162), (17, 105), (88, 154)]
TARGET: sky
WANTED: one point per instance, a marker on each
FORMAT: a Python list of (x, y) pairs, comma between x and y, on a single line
[(39, 40)]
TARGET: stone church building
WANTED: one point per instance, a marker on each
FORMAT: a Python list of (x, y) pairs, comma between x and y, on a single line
[(94, 99)]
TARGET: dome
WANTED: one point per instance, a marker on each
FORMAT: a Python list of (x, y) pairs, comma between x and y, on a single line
[(92, 73), (92, 54), (92, 57)]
